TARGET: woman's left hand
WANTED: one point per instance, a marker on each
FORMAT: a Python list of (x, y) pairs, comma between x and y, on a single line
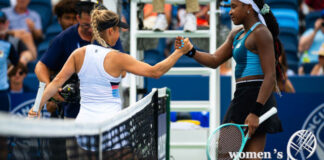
[(252, 121)]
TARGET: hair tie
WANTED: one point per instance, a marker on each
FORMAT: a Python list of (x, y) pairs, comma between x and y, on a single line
[(265, 9)]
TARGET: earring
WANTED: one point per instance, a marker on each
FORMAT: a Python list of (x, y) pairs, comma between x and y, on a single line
[(248, 11)]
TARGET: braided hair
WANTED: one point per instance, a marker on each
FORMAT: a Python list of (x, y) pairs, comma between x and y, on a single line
[(273, 26), (99, 16)]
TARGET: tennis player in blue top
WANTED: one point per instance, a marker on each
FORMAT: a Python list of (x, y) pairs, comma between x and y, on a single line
[(256, 49)]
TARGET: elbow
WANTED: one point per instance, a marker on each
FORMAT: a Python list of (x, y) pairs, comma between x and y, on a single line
[(156, 74), (271, 77)]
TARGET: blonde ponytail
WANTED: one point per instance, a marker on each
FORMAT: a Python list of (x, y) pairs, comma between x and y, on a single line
[(98, 17)]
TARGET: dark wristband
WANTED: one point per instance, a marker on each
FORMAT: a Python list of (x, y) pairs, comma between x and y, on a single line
[(191, 53), (256, 108)]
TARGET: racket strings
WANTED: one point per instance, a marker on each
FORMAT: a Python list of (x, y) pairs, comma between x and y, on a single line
[(225, 141)]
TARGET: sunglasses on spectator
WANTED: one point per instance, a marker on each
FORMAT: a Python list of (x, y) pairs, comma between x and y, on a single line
[(20, 73)]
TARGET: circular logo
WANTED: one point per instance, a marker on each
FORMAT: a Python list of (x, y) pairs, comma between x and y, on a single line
[(315, 124), (302, 142), (23, 108)]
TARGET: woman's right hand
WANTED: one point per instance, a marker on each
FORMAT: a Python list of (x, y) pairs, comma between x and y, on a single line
[(183, 45), (32, 114)]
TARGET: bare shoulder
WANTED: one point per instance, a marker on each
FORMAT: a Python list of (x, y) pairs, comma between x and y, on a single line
[(79, 51), (263, 34), (115, 55), (233, 33)]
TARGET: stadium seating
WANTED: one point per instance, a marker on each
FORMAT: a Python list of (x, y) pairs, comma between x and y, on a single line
[(311, 18), (287, 18), (291, 4), (31, 81), (4, 3), (44, 9), (288, 38), (288, 25)]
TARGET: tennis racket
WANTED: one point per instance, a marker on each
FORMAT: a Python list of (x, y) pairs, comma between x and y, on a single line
[(39, 96), (228, 140)]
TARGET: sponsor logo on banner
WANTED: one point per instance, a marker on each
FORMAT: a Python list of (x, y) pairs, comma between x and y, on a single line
[(301, 142), (23, 108), (315, 124)]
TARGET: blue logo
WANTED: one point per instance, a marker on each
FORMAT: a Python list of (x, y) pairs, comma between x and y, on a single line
[(315, 124)]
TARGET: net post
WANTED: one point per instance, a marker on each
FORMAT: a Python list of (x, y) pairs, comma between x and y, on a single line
[(168, 104), (100, 143)]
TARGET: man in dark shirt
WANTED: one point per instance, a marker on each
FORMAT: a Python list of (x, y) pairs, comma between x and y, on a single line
[(62, 46)]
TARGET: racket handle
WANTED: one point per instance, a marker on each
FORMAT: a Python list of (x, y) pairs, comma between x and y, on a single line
[(268, 114), (39, 96)]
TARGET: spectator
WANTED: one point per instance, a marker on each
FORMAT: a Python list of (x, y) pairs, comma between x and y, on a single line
[(192, 6), (16, 79), (25, 24), (310, 44), (66, 13), (315, 5), (150, 17), (25, 55), (7, 51)]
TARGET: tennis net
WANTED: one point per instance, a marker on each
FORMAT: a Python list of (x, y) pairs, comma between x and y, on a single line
[(137, 132)]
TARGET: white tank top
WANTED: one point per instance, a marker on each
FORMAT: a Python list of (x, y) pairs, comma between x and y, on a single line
[(99, 90)]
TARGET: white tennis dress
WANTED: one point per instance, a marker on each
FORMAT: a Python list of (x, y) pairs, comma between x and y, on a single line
[(99, 91)]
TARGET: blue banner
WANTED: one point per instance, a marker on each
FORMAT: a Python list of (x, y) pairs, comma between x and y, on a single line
[(22, 102)]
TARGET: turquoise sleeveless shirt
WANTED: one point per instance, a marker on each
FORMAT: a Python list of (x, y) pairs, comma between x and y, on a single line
[(247, 62)]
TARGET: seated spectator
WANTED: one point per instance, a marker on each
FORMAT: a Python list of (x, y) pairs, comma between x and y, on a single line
[(7, 52), (190, 25), (25, 55), (151, 17), (16, 79), (25, 24), (66, 13), (310, 44), (315, 5)]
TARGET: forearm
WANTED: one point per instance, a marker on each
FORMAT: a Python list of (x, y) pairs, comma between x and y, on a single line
[(37, 34), (165, 65), (42, 72), (211, 60), (266, 88), (306, 42), (49, 92)]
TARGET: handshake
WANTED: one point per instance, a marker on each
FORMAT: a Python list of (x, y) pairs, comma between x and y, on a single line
[(185, 46)]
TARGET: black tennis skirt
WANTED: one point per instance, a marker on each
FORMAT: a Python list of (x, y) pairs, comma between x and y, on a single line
[(245, 96)]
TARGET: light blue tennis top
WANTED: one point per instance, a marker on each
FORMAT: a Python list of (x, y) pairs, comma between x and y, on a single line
[(247, 62)]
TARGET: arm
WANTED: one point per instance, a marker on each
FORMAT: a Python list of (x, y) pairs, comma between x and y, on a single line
[(130, 64), (124, 62), (221, 55), (42, 72), (53, 87), (265, 49), (35, 30), (306, 42)]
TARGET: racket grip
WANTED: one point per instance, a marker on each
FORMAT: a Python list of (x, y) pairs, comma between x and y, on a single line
[(39, 96), (268, 114)]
